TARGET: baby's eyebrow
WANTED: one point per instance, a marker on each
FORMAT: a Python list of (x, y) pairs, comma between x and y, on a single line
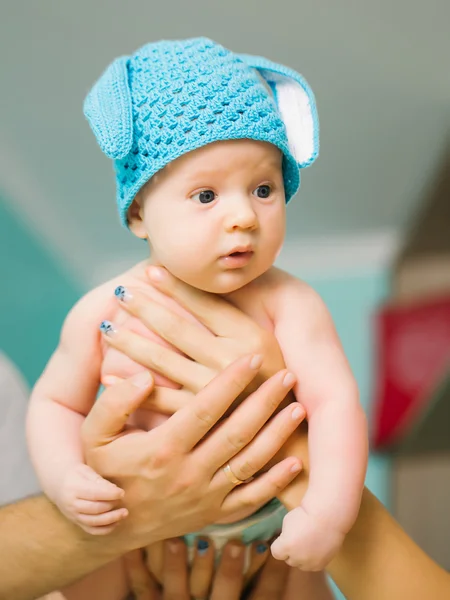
[(204, 174), (268, 168)]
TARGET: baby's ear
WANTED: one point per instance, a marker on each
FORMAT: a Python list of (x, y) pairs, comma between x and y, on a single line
[(108, 109), (296, 105), (135, 219)]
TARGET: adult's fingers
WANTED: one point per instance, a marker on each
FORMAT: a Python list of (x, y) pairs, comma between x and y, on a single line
[(191, 338), (267, 443), (229, 578), (263, 488), (202, 569), (154, 559), (215, 312), (164, 360), (259, 553), (190, 424), (313, 584), (272, 581), (245, 422), (175, 572), (140, 580), (167, 400), (112, 409)]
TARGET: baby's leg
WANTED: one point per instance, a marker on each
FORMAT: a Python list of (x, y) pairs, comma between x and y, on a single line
[(308, 585), (107, 583)]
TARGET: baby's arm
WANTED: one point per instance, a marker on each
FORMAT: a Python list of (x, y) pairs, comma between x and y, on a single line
[(337, 428), (61, 399)]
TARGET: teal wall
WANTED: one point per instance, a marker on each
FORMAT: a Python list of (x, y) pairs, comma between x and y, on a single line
[(36, 296)]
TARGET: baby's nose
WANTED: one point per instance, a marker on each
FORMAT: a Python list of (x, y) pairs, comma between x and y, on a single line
[(240, 215)]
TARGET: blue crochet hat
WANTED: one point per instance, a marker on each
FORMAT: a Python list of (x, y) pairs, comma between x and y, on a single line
[(172, 97)]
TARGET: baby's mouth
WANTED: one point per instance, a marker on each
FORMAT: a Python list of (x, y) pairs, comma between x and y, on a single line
[(241, 253), (237, 258)]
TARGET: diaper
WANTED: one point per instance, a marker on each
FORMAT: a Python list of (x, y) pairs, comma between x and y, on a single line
[(260, 526)]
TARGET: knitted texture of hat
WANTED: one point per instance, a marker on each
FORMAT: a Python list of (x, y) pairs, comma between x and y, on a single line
[(172, 97)]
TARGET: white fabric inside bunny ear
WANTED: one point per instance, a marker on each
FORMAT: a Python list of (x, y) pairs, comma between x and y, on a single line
[(296, 104), (108, 109)]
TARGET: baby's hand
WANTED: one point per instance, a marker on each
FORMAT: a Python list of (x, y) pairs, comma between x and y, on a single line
[(305, 542), (90, 501)]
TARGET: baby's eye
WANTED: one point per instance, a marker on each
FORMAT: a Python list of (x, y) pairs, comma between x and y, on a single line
[(205, 197), (263, 191)]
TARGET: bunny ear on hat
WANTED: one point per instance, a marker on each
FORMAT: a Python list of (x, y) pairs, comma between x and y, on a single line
[(296, 104), (108, 109)]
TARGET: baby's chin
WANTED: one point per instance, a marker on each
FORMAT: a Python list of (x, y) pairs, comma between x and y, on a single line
[(223, 283), (215, 280)]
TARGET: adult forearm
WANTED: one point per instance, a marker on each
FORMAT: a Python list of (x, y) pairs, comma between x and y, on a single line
[(41, 551), (378, 560)]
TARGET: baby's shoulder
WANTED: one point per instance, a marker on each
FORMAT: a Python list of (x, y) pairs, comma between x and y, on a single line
[(98, 304), (284, 294), (275, 279), (276, 284), (265, 298)]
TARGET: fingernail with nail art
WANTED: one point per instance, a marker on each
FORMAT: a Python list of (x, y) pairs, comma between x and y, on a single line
[(122, 294), (202, 547), (107, 328)]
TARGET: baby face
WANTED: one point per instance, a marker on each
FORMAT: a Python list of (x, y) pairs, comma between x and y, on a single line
[(215, 217)]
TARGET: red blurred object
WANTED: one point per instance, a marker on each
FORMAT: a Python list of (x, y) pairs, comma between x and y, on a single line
[(413, 357)]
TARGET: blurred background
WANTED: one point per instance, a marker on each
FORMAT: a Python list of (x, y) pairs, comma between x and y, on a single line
[(369, 229)]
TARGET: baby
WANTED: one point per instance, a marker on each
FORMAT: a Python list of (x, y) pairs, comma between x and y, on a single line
[(207, 147)]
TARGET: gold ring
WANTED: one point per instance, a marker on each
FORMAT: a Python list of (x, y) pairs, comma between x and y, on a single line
[(231, 476)]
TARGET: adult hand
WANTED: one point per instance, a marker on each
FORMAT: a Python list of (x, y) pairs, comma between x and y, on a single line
[(229, 582), (177, 581), (173, 477), (229, 334), (203, 563)]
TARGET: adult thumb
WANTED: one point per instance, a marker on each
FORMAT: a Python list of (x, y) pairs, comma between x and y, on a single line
[(110, 413)]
